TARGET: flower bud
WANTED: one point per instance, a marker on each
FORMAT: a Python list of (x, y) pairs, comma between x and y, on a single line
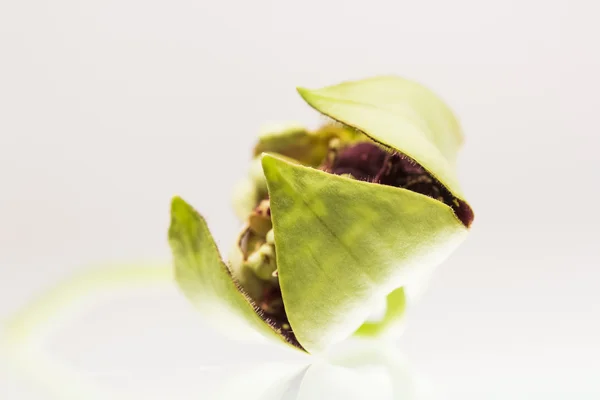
[(336, 220)]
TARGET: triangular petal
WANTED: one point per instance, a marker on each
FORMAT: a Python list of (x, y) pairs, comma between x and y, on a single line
[(207, 281), (342, 245)]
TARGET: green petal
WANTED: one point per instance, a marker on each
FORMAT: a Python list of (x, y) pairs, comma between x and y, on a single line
[(400, 114), (295, 142), (207, 281), (343, 245), (395, 308)]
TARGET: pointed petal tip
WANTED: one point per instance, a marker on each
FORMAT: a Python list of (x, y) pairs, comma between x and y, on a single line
[(305, 93), (302, 90), (269, 161), (179, 208), (183, 218), (273, 166), (177, 202), (269, 166)]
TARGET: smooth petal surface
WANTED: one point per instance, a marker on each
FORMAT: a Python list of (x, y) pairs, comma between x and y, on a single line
[(207, 281), (342, 245), (400, 114)]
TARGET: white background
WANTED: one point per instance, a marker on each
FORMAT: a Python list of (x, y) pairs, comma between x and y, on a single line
[(108, 108)]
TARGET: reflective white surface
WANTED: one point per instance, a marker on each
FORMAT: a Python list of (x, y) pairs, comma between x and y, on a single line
[(113, 335), (37, 353), (108, 108)]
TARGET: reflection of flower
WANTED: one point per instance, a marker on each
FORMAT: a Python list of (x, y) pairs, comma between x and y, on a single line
[(336, 220), (28, 330), (358, 370), (352, 370)]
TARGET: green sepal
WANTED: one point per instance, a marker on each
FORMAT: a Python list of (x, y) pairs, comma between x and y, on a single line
[(295, 142), (207, 281), (395, 303), (343, 245), (400, 114)]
